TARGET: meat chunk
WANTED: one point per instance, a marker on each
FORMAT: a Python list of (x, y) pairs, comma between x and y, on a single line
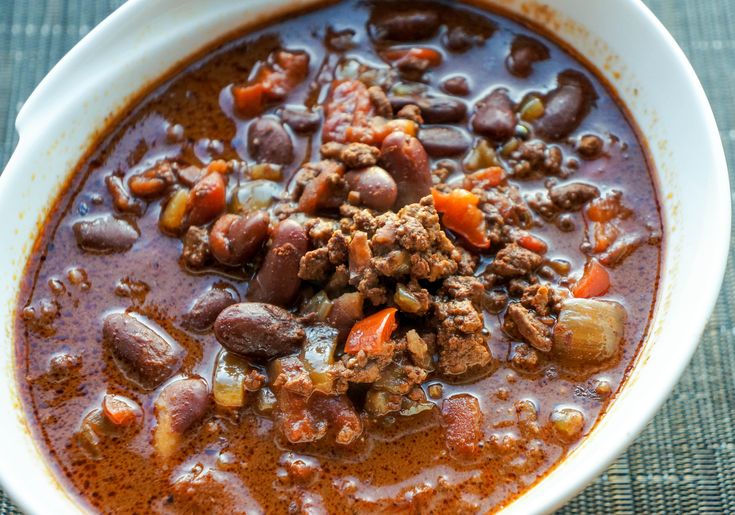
[(572, 196), (515, 261), (196, 252), (359, 155), (315, 265), (535, 159), (533, 331), (462, 346), (464, 288)]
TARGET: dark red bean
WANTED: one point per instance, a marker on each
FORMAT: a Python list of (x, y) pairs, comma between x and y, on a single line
[(457, 39), (433, 109), (105, 234), (302, 121), (456, 85), (258, 331), (208, 305), (143, 355), (494, 116), (406, 160), (403, 25), (376, 187), (572, 196), (443, 141), (442, 110), (277, 281), (235, 239), (268, 142), (346, 310), (567, 105), (183, 403), (524, 52)]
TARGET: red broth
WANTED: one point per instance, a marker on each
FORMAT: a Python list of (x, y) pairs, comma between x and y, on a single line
[(567, 199)]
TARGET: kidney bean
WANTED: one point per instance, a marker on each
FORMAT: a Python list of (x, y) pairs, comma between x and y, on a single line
[(181, 405), (442, 110), (572, 196), (234, 239), (433, 109), (346, 310), (443, 141), (207, 199), (405, 25), (406, 160), (566, 106), (258, 331), (268, 142), (456, 85), (105, 234), (143, 355), (524, 52), (208, 305), (277, 281), (376, 187), (494, 116), (302, 121)]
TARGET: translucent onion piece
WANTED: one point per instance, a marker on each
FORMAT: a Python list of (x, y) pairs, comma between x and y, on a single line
[(228, 383), (172, 216), (257, 194), (318, 355), (589, 330)]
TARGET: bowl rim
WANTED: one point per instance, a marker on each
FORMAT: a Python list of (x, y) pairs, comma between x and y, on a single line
[(24, 496)]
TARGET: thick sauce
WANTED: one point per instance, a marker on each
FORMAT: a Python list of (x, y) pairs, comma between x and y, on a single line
[(236, 460)]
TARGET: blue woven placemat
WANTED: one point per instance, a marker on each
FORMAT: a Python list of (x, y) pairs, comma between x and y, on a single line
[(684, 462)]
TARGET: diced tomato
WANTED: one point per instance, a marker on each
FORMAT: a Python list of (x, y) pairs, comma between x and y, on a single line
[(372, 333), (533, 244), (273, 81), (207, 199), (360, 135), (605, 208), (485, 178), (433, 57), (348, 106), (605, 234), (594, 282), (462, 215), (248, 99)]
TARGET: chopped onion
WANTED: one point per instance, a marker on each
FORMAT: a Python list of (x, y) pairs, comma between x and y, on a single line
[(589, 330), (171, 220), (230, 372), (318, 355)]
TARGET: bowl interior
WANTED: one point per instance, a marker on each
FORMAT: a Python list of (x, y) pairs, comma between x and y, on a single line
[(658, 86)]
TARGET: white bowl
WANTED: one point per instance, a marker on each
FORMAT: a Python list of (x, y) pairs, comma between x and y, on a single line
[(143, 39)]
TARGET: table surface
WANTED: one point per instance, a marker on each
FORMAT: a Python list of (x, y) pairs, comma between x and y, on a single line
[(684, 461)]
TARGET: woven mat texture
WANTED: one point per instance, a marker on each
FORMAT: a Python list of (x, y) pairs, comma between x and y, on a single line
[(684, 462)]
